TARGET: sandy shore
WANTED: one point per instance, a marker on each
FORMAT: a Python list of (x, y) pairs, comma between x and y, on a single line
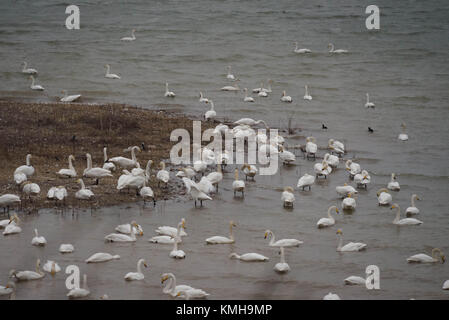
[(53, 131)]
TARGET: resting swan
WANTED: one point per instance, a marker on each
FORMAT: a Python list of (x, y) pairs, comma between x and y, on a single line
[(177, 253), (384, 197), (194, 190), (306, 181), (83, 193), (406, 221), (349, 202), (285, 98), (101, 257), (282, 242), (13, 226), (393, 184), (38, 240), (287, 197), (28, 275), (68, 98), (249, 257), (26, 169), (238, 185), (221, 239), (78, 292), (51, 267)]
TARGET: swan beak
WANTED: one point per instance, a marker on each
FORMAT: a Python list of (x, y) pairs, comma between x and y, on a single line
[(178, 294), (339, 231), (145, 265), (443, 259), (336, 210), (7, 286), (141, 233), (163, 279), (393, 206), (265, 235)]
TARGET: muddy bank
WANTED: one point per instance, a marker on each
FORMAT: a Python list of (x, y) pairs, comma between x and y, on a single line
[(53, 131)]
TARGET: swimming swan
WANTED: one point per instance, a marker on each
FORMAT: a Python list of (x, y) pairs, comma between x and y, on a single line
[(282, 266), (249, 257), (68, 98), (406, 221), (35, 86), (132, 38), (137, 275), (350, 246), (332, 49), (329, 221), (282, 242), (298, 50), (101, 257), (413, 209), (221, 239), (110, 75), (437, 255)]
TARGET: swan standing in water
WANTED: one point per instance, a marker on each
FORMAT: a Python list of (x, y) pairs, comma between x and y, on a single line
[(163, 175), (171, 288), (406, 221), (287, 197), (393, 184), (403, 136), (101, 257), (66, 248), (216, 177), (230, 76), (350, 246), (282, 266), (247, 98), (78, 292), (120, 237), (106, 163), (132, 38), (27, 168), (83, 193), (38, 240), (68, 98), (362, 179), (410, 211), (51, 267), (332, 49), (137, 275), (35, 86), (437, 255), (31, 189), (384, 197), (147, 193), (19, 178), (332, 160), (307, 96), (57, 193), (202, 99), (70, 172), (282, 242), (28, 70), (306, 181), (28, 275), (285, 98), (287, 157), (96, 172), (311, 147), (369, 104), (13, 226), (110, 75), (176, 253), (195, 191), (329, 221), (298, 50), (126, 163), (336, 147), (238, 185), (249, 257), (353, 168), (221, 239), (169, 94), (349, 202), (210, 114), (249, 170)]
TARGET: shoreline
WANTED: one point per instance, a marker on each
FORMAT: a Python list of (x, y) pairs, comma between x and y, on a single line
[(50, 132)]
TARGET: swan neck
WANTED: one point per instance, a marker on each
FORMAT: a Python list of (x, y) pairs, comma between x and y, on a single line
[(105, 155), (282, 255), (340, 242), (139, 265), (398, 215), (82, 184)]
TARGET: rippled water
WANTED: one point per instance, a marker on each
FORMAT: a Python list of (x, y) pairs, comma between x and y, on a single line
[(403, 67)]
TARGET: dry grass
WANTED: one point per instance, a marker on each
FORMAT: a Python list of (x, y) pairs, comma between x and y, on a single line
[(51, 132)]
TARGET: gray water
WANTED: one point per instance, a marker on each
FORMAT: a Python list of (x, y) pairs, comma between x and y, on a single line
[(403, 67)]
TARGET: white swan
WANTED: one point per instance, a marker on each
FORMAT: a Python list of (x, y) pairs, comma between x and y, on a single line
[(331, 296), (307, 96), (67, 98), (349, 202), (306, 181), (230, 76), (35, 86), (332, 49), (79, 292), (5, 222), (70, 172), (247, 98), (311, 147), (258, 90), (163, 175), (393, 184), (172, 231), (28, 275), (31, 189), (350, 246), (403, 136), (177, 253), (406, 221), (336, 146), (126, 163), (169, 94), (107, 164), (437, 255), (221, 239), (171, 288), (192, 294), (287, 157), (57, 193), (38, 240), (263, 93), (231, 88), (66, 248), (132, 38), (250, 122), (19, 178), (210, 114), (216, 177), (332, 160), (28, 70), (13, 226), (130, 276), (282, 242), (285, 98), (8, 289), (147, 193), (267, 90), (110, 75), (298, 50), (101, 257), (353, 168), (369, 104), (238, 185), (362, 179), (172, 237), (126, 229), (27, 168), (384, 197), (96, 172), (187, 172), (287, 197), (203, 99), (329, 221), (355, 280), (282, 266), (120, 237), (413, 209), (249, 257), (322, 169), (51, 267), (195, 191), (249, 170), (446, 285), (83, 193)]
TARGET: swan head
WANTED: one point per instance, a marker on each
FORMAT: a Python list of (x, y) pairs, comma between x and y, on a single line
[(339, 231), (12, 273), (267, 232), (394, 206), (382, 190), (165, 277), (232, 223), (11, 285), (289, 189), (145, 264), (183, 223)]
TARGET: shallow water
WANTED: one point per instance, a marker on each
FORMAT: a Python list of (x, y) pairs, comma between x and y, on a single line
[(403, 67)]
